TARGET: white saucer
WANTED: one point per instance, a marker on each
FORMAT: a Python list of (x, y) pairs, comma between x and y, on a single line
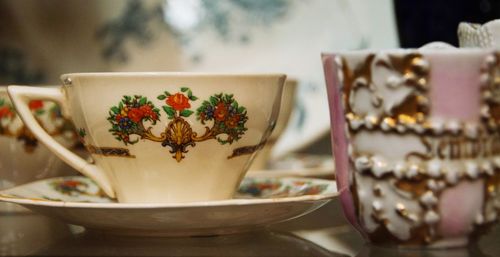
[(298, 165), (259, 202)]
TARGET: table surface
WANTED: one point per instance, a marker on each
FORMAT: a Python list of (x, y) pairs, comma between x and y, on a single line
[(321, 233)]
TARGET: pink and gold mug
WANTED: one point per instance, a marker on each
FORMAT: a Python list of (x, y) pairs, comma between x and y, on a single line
[(416, 141)]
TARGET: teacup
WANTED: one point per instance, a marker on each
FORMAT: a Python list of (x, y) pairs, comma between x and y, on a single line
[(262, 159), (22, 158), (162, 137), (416, 142), (477, 35)]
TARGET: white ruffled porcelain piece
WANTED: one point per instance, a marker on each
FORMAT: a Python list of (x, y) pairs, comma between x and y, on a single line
[(477, 35)]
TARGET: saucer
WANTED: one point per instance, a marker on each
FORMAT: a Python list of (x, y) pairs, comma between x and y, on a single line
[(298, 165), (259, 202)]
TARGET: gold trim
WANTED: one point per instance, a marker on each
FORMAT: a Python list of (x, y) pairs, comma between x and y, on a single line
[(443, 141), (110, 151)]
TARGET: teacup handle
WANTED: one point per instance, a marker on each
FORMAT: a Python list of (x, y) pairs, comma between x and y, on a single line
[(21, 96)]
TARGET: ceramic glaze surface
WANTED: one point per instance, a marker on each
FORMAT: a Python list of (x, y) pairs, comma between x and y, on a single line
[(258, 202), (22, 157), (416, 143), (171, 137)]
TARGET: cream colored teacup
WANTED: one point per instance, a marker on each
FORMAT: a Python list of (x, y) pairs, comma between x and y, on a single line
[(22, 158), (262, 159), (162, 137)]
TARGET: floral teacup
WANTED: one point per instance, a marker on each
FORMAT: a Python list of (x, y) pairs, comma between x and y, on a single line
[(162, 137)]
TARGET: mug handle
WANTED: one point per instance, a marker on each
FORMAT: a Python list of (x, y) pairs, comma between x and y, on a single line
[(21, 96)]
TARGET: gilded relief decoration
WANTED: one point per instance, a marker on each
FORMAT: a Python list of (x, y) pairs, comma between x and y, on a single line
[(222, 117), (491, 91), (386, 96), (47, 114)]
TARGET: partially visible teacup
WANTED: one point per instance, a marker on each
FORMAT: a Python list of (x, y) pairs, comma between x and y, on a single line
[(162, 137), (22, 158), (416, 143), (261, 161)]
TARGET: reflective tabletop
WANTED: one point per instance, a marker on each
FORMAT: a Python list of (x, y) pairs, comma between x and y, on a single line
[(321, 233)]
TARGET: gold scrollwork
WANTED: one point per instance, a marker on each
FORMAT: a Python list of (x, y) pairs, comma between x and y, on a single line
[(441, 141)]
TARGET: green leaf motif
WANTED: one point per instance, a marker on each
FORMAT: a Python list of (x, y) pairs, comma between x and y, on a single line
[(82, 132), (169, 110), (213, 100), (226, 131), (2, 102), (186, 113)]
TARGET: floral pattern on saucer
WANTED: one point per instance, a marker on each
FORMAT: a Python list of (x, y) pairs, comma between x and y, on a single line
[(273, 188), (63, 189), (298, 165), (258, 203), (83, 189)]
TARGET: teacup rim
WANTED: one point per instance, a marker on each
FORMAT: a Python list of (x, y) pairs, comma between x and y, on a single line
[(173, 74)]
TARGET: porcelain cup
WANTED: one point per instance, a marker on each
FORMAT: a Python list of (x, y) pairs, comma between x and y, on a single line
[(22, 158), (416, 142), (263, 158), (163, 137)]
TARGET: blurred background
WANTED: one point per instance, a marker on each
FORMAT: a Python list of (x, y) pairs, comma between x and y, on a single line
[(41, 39)]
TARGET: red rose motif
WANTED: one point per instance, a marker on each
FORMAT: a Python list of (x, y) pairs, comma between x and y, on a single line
[(35, 104), (135, 115), (232, 122), (148, 112), (220, 112), (178, 101), (71, 183), (268, 186), (5, 112)]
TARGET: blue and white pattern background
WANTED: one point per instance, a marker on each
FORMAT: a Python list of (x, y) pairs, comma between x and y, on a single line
[(281, 36), (196, 35)]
